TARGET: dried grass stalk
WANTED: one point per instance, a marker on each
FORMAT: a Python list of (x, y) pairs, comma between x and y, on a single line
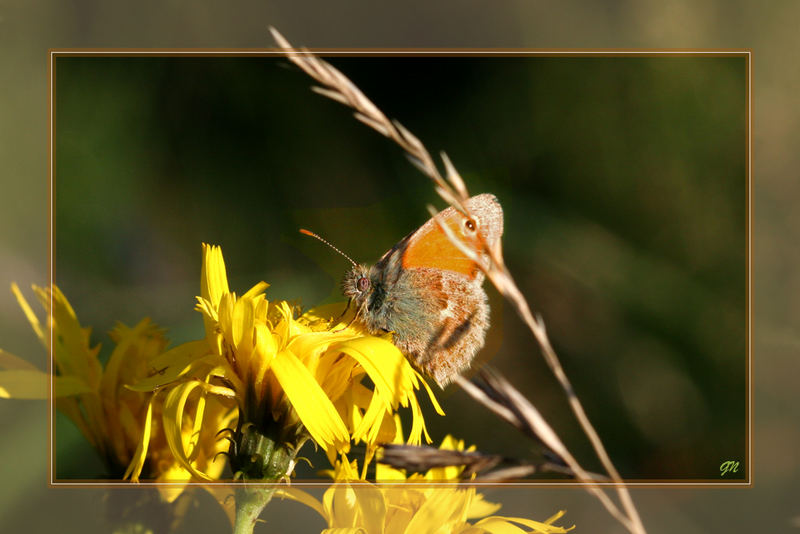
[(453, 191)]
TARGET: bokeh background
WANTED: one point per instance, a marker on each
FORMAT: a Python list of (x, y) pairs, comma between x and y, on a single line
[(621, 180)]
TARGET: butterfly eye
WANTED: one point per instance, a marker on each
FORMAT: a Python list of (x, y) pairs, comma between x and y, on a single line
[(470, 225), (362, 284)]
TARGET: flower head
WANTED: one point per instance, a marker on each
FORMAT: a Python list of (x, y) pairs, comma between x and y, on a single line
[(413, 503), (294, 377), (96, 397)]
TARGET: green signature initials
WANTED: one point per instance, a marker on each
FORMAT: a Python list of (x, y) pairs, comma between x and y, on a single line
[(728, 467)]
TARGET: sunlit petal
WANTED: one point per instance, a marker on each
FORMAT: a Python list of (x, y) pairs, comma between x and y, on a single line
[(313, 406)]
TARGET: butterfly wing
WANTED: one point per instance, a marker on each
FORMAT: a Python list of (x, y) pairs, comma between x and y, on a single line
[(430, 247), (430, 292), (439, 319)]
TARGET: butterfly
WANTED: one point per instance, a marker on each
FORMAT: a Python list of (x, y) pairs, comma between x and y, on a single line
[(429, 293)]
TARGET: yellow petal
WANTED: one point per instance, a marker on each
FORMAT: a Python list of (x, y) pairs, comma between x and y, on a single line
[(314, 408), (384, 363), (68, 386), (208, 309), (265, 349), (23, 384), (480, 507), (417, 423), (173, 425), (213, 278), (442, 506), (26, 309), (10, 361), (313, 344), (326, 313), (34, 384), (431, 396), (225, 310), (172, 482), (120, 356), (73, 355), (256, 291), (495, 525), (389, 430), (556, 516), (371, 506), (243, 325), (301, 497), (137, 462), (175, 363), (371, 421), (194, 437), (340, 506), (284, 327), (345, 470), (385, 472), (504, 525)]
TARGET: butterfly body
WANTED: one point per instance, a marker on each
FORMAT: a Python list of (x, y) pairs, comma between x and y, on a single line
[(428, 293)]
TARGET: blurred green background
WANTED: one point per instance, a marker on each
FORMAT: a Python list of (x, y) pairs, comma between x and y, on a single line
[(623, 181), (29, 29)]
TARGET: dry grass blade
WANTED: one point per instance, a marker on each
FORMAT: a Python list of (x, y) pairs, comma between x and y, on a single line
[(486, 467), (507, 474), (420, 459), (498, 391), (338, 87), (501, 397), (333, 95), (453, 177), (454, 192), (516, 472)]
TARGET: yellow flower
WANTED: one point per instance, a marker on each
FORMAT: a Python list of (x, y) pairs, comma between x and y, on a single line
[(352, 505), (293, 378), (112, 417)]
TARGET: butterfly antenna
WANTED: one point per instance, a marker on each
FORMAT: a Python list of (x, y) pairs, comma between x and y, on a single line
[(312, 234)]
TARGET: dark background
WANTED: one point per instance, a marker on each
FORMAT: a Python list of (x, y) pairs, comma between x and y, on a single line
[(623, 182)]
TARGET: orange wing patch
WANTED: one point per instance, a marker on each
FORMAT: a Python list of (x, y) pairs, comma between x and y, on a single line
[(430, 247)]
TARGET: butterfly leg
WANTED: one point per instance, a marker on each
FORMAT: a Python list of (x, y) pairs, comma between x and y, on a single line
[(345, 327)]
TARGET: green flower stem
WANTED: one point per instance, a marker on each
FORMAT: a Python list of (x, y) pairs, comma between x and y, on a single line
[(249, 504), (257, 457)]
